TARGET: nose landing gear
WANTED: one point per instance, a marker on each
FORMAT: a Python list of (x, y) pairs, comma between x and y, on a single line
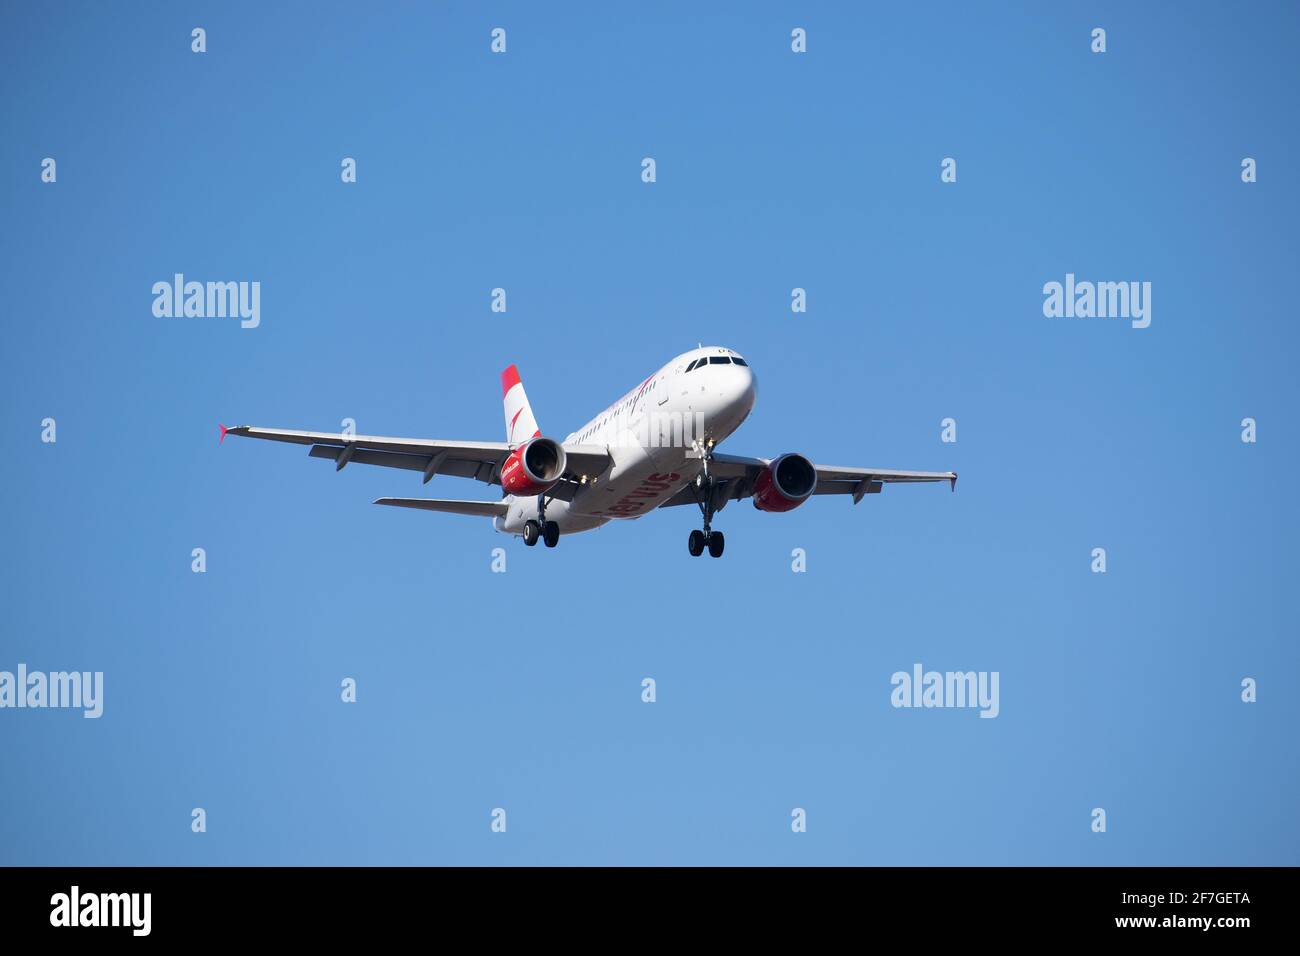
[(705, 488), (699, 540)]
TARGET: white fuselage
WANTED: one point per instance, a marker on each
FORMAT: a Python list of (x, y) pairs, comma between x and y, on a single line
[(653, 434)]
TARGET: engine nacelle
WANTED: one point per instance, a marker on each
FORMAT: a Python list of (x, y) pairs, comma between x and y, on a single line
[(533, 467), (785, 484)]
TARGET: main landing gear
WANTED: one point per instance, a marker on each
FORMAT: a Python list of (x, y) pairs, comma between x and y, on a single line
[(548, 531), (704, 487)]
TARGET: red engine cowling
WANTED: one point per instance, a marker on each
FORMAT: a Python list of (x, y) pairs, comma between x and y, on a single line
[(533, 467), (785, 484)]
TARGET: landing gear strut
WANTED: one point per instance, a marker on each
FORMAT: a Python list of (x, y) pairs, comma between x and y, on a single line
[(548, 531), (704, 486)]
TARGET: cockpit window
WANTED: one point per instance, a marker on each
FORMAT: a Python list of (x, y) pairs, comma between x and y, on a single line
[(719, 360), (739, 361), (691, 367)]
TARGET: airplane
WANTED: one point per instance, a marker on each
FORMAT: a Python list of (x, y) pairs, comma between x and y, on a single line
[(653, 448)]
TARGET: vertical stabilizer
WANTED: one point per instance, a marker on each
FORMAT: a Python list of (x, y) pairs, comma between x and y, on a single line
[(520, 424)]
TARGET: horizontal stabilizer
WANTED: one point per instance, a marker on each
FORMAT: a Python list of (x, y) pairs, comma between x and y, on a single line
[(483, 509)]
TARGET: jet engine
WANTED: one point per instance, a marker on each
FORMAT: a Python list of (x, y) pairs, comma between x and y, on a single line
[(533, 467), (784, 484)]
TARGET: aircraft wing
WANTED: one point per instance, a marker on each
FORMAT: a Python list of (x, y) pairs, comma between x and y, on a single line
[(430, 456), (737, 473)]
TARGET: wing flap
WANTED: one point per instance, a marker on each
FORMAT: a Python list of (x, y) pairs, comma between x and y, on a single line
[(457, 467), (365, 456), (848, 487)]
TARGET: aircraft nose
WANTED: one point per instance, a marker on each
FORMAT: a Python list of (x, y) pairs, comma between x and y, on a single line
[(744, 386)]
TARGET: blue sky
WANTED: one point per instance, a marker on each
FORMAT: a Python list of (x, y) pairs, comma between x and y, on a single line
[(775, 170)]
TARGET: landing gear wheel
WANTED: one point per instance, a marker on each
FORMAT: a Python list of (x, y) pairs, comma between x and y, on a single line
[(551, 534), (716, 544), (695, 543), (531, 532)]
